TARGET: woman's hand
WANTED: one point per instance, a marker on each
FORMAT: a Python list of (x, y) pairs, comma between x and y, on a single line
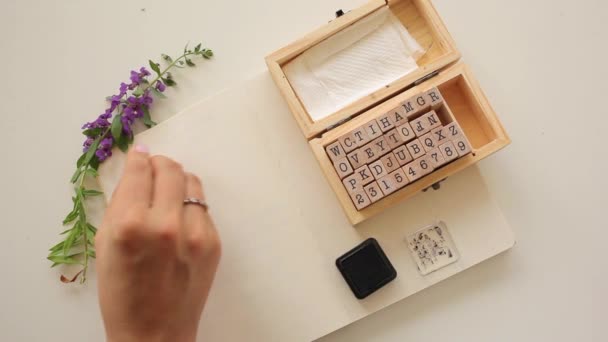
[(156, 256)]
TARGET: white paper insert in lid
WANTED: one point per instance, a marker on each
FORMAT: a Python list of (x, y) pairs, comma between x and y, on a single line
[(353, 63)]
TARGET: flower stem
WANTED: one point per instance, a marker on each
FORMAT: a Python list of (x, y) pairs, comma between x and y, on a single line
[(84, 228)]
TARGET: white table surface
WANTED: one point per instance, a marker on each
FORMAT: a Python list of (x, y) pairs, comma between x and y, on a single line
[(542, 65)]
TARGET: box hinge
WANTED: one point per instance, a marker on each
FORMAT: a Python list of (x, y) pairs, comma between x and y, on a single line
[(337, 124), (426, 78)]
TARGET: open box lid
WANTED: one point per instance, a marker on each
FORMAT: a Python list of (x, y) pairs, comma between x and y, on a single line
[(422, 22)]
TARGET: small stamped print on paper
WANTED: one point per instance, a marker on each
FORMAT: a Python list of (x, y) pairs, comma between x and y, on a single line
[(432, 248)]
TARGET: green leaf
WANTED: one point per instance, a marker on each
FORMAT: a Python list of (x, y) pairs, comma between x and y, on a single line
[(91, 193), (91, 253), (189, 62), (181, 62), (158, 93), (169, 82), (116, 128), (154, 67), (92, 132), (94, 163), (147, 120), (91, 152), (58, 259), (123, 143), (70, 217), (91, 172), (72, 236), (186, 48), (197, 48), (207, 53), (138, 92), (76, 175), (92, 228), (167, 58), (57, 247), (80, 160)]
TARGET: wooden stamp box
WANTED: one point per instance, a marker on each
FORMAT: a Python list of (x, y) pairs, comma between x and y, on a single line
[(439, 67)]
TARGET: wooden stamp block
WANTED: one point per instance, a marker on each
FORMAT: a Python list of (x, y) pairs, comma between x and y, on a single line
[(373, 130), (406, 132), (412, 171), (436, 158), (360, 136), (357, 158), (428, 142), (432, 120), (449, 151), (352, 183), (343, 167), (440, 134), (453, 130), (397, 116), (377, 169), (365, 175), (422, 101), (381, 146), (390, 162), (399, 178), (426, 165), (385, 122), (462, 145), (410, 108), (420, 126), (360, 199), (393, 138), (348, 142), (415, 148), (373, 192), (335, 151), (386, 184), (369, 152), (403, 155), (435, 98)]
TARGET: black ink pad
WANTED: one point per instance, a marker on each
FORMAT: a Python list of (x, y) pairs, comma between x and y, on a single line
[(366, 268)]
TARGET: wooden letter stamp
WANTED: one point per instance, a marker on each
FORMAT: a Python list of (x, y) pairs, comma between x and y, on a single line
[(352, 183), (440, 134), (386, 185), (373, 192), (390, 162), (348, 142), (435, 98), (393, 138), (372, 130), (343, 167), (432, 120), (415, 148), (406, 132), (462, 145), (453, 130), (436, 158), (403, 155), (428, 142), (381, 146), (360, 199), (335, 151), (378, 170), (385, 122), (399, 178), (449, 151), (357, 158), (410, 108), (397, 116), (360, 136), (365, 175)]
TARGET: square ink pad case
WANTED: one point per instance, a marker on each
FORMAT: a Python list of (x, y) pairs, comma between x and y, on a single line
[(366, 268)]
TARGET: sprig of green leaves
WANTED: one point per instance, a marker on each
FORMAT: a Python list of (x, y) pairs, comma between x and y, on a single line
[(78, 243)]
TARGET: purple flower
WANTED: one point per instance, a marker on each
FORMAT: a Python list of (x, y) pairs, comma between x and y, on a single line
[(144, 72), (106, 143), (146, 99), (103, 154), (123, 88), (135, 78), (127, 121), (87, 144), (160, 86)]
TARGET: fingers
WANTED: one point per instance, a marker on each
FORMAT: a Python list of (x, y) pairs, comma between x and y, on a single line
[(135, 187), (169, 185), (200, 236)]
